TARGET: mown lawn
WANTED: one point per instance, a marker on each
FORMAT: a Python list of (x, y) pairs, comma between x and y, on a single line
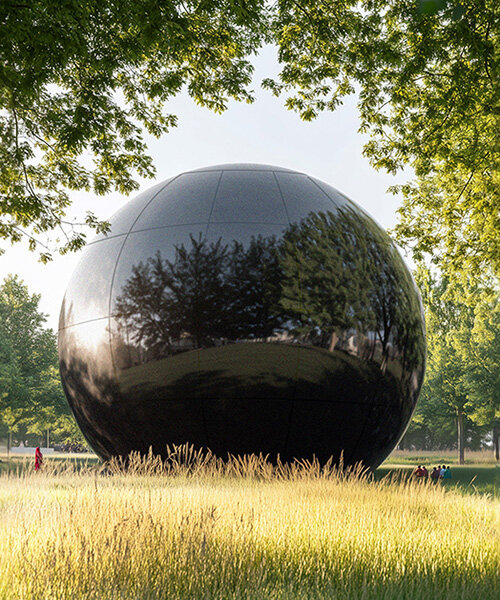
[(467, 479)]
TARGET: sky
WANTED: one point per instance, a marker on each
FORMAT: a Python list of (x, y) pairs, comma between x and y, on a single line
[(329, 148)]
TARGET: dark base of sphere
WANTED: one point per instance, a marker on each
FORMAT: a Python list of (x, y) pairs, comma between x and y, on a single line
[(341, 407)]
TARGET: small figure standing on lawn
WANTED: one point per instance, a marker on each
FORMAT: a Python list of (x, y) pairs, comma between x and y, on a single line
[(419, 472), (447, 473), (436, 473), (38, 458)]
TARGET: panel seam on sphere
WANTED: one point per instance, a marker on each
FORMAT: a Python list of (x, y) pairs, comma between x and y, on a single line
[(297, 363), (323, 192), (203, 416), (113, 364)]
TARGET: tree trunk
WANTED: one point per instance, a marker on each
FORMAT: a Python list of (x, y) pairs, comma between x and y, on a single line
[(383, 364), (333, 341), (460, 431), (496, 434)]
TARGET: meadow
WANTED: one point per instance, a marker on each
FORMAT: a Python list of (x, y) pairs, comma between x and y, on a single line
[(196, 527)]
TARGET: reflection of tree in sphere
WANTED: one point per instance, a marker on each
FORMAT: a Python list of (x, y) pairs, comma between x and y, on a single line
[(243, 308)]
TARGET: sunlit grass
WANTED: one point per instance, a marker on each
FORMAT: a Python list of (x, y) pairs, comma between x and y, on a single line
[(201, 528)]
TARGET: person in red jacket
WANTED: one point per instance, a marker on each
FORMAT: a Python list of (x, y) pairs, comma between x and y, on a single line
[(38, 458), (418, 472)]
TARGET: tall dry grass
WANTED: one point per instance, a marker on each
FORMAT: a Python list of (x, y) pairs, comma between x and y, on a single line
[(197, 527)]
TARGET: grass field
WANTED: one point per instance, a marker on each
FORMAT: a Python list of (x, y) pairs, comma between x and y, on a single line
[(215, 530), (435, 457)]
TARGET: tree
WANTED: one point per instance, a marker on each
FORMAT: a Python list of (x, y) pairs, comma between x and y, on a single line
[(443, 398), (254, 289), (323, 270), (80, 81), (480, 348), (31, 396), (341, 272), (164, 301), (427, 73), (427, 77), (463, 371)]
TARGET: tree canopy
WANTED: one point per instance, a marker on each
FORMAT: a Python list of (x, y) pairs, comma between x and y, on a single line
[(427, 74), (80, 81)]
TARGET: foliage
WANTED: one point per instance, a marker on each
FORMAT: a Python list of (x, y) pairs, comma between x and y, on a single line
[(480, 350), (31, 396), (463, 367), (80, 81), (427, 74), (334, 276)]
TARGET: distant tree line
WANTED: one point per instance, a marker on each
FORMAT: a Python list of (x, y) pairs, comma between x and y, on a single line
[(460, 401), (333, 274), (33, 407)]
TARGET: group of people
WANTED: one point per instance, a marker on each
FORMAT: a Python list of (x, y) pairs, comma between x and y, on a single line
[(439, 472)]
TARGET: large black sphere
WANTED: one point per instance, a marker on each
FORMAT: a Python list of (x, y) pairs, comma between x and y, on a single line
[(243, 308)]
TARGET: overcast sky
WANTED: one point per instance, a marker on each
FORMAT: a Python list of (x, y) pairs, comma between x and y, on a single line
[(329, 148)]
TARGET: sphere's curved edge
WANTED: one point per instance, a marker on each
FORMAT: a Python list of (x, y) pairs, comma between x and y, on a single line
[(242, 167)]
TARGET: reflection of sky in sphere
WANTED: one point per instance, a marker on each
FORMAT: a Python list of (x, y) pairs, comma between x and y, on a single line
[(238, 296)]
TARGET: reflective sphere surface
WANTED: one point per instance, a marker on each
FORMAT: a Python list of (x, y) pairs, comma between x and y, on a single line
[(243, 308)]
